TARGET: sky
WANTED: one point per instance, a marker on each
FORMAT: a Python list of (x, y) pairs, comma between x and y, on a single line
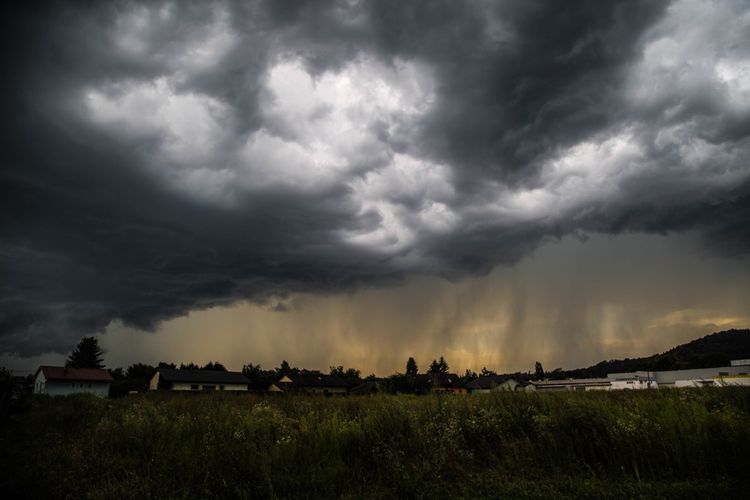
[(356, 182)]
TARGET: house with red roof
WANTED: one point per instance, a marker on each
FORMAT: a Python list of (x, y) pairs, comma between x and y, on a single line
[(61, 381)]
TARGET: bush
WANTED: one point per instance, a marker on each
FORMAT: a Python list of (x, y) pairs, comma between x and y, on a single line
[(618, 444)]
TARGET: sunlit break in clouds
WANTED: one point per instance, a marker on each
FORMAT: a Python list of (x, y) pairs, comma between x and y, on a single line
[(356, 182)]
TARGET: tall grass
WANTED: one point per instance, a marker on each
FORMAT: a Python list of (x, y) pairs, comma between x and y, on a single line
[(668, 443)]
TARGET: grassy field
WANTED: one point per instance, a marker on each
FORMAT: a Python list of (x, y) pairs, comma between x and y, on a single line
[(647, 444)]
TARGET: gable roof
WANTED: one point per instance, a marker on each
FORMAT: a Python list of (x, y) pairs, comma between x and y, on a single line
[(316, 380), (202, 376), (75, 374)]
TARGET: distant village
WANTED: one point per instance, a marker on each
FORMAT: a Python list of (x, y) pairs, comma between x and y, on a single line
[(84, 372)]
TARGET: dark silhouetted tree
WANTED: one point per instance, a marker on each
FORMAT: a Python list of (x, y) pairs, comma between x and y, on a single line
[(439, 366), (251, 371), (538, 371), (486, 373), (140, 371), (189, 366), (468, 376), (214, 366), (284, 368), (350, 374), (87, 354), (411, 368)]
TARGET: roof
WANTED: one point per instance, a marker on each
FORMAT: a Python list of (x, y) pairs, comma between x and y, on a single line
[(316, 380), (75, 374), (202, 376)]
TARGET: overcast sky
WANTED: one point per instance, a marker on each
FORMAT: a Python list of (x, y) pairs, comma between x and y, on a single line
[(356, 182)]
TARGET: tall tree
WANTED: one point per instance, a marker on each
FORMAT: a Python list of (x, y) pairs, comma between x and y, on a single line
[(439, 366), (443, 365), (411, 368), (87, 354), (538, 371), (434, 367), (284, 368)]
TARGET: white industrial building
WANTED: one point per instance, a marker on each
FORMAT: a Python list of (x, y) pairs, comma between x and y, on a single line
[(571, 384), (736, 374)]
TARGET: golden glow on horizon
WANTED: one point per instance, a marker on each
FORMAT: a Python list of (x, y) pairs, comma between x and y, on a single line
[(571, 304)]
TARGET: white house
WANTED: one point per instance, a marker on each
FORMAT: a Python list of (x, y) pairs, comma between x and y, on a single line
[(198, 380), (61, 381)]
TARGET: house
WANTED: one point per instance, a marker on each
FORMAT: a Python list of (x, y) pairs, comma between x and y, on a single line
[(61, 381), (310, 383), (198, 380), (571, 384), (491, 383)]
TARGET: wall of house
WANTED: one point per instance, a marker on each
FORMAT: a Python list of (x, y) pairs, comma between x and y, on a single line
[(60, 388), (181, 386), (153, 384), (40, 383)]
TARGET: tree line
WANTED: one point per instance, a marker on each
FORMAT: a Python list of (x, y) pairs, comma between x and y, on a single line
[(136, 377)]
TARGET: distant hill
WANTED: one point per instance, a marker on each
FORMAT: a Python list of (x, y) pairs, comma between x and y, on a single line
[(717, 349)]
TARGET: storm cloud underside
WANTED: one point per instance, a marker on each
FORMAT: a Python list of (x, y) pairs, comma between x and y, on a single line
[(162, 158)]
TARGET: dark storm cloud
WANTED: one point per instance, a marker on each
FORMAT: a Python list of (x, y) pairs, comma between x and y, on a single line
[(160, 158)]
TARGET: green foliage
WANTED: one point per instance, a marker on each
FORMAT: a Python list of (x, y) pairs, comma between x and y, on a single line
[(351, 375), (87, 354), (624, 444), (411, 368), (438, 366), (538, 371)]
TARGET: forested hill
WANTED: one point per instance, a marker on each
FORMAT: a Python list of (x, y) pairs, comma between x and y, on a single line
[(717, 349)]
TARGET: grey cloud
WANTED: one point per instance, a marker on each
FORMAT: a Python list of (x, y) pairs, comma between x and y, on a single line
[(133, 217)]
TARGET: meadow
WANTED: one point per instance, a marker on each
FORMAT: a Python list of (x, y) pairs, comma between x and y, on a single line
[(626, 444)]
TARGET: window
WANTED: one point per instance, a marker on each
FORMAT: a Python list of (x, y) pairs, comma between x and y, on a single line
[(221, 387), (73, 384), (89, 386), (194, 387)]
